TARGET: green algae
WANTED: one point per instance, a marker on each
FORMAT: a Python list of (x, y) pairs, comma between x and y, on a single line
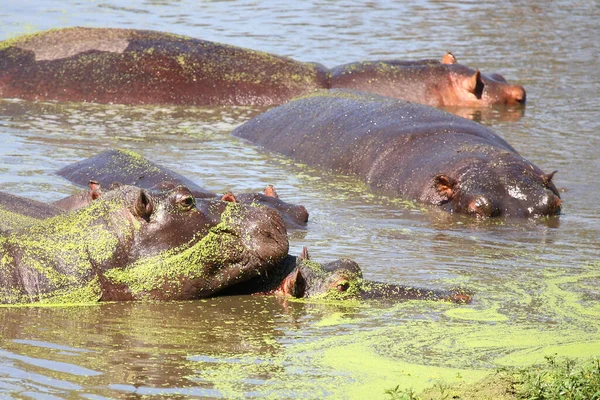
[(10, 220)]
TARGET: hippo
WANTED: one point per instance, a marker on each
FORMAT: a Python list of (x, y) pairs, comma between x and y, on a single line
[(407, 150), (130, 168), (127, 66), (131, 244), (430, 82), (342, 279)]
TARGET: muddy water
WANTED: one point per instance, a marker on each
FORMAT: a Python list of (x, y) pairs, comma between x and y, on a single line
[(536, 282)]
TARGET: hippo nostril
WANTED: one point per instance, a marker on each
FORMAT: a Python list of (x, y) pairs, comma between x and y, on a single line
[(482, 207)]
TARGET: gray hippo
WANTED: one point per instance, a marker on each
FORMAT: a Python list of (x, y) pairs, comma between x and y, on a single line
[(130, 244), (408, 150), (130, 168), (438, 84), (128, 66)]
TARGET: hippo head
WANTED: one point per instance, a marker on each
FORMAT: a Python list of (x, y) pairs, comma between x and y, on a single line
[(474, 89), (183, 248), (342, 280), (500, 185)]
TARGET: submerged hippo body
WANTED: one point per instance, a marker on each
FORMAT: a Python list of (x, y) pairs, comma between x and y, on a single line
[(130, 245), (445, 84), (17, 212), (407, 150), (129, 66), (130, 168)]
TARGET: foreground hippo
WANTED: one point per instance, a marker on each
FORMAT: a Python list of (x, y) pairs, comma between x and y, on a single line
[(338, 280), (130, 244), (130, 168), (407, 150), (445, 84), (145, 67)]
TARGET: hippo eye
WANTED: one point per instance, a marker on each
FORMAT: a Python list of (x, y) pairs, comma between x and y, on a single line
[(342, 286), (187, 202)]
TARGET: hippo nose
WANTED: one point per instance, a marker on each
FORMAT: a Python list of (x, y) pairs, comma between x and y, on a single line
[(267, 236), (516, 95)]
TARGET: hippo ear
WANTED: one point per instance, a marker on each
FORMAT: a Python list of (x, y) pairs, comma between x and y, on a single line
[(294, 284), (547, 178), (304, 255), (229, 197), (143, 205), (473, 84), (270, 191), (444, 186), (449, 59)]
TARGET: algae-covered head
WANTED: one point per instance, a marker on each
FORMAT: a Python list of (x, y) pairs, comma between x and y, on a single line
[(132, 244)]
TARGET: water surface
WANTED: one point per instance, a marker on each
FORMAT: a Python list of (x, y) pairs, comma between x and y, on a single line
[(536, 282)]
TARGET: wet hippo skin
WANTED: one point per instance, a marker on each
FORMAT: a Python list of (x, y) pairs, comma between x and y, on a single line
[(407, 150)]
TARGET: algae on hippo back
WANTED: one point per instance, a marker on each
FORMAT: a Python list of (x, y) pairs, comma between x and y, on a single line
[(131, 245)]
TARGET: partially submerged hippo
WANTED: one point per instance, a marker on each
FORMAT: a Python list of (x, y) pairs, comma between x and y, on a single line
[(18, 212), (128, 66), (430, 82), (130, 244), (130, 168), (407, 150), (338, 280)]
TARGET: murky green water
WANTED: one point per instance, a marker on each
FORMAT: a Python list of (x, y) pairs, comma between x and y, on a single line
[(536, 282)]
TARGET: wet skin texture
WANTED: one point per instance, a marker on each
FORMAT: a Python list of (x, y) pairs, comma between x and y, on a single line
[(130, 244), (407, 150), (130, 168), (146, 67), (128, 66), (429, 82)]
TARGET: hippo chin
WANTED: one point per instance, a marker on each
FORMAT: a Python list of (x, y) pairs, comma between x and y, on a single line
[(130, 168), (407, 150), (130, 244), (342, 279), (445, 84)]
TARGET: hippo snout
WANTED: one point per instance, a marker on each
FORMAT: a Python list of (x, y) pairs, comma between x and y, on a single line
[(515, 95), (266, 236)]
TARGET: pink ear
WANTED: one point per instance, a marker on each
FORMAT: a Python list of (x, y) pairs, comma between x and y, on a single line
[(293, 285), (449, 59), (270, 191), (444, 185), (229, 197), (474, 84)]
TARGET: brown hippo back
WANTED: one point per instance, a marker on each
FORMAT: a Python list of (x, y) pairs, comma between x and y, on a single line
[(430, 82), (145, 67), (407, 150)]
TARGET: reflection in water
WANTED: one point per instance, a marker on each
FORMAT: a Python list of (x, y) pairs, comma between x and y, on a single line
[(535, 282)]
